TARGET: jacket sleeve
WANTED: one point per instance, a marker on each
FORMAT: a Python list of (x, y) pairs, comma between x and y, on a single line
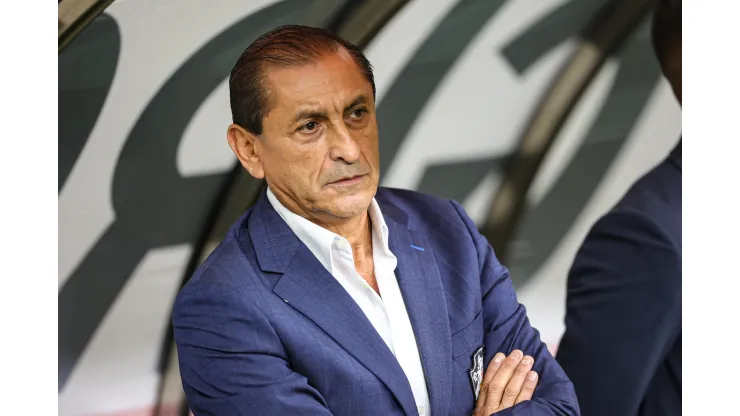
[(507, 328), (232, 361), (623, 312)]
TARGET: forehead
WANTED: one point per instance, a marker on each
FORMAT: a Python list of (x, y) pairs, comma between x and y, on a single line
[(333, 79)]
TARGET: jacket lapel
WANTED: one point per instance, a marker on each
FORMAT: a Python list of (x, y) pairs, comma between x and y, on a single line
[(424, 296), (310, 289)]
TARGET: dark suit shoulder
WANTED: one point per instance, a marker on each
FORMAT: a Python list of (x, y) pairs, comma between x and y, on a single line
[(657, 195)]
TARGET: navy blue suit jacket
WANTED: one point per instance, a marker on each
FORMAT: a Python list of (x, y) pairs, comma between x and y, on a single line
[(622, 343), (262, 328)]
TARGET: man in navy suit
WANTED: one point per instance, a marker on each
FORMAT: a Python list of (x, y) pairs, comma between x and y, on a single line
[(622, 343), (332, 296)]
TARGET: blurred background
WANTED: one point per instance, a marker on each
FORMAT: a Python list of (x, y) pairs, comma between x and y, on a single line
[(536, 115)]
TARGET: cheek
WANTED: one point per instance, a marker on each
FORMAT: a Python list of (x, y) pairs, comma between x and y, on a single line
[(369, 146), (297, 166)]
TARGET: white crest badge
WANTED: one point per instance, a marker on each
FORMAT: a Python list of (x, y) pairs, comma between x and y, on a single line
[(476, 372)]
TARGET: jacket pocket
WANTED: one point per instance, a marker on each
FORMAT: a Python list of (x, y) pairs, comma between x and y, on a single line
[(469, 337)]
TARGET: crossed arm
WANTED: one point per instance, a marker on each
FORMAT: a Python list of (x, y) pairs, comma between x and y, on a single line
[(507, 329)]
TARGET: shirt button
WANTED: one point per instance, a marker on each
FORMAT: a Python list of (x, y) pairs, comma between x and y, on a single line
[(421, 410)]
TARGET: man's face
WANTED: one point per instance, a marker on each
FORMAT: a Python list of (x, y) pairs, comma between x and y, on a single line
[(318, 150)]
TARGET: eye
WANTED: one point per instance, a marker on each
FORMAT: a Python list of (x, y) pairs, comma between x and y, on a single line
[(358, 113), (309, 127)]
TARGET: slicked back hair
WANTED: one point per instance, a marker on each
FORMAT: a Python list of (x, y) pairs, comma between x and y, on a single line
[(283, 47)]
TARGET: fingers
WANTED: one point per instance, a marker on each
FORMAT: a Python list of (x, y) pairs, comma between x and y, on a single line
[(507, 381), (514, 387), (487, 377), (501, 379), (528, 388)]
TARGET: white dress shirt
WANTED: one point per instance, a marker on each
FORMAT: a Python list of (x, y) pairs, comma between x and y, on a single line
[(335, 253)]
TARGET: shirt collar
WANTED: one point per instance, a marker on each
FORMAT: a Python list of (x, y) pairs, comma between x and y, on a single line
[(378, 223), (319, 240)]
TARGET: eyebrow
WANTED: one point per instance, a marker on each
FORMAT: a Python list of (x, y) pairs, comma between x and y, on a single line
[(307, 114)]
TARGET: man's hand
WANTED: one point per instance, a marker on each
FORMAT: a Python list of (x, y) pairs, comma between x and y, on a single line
[(507, 381)]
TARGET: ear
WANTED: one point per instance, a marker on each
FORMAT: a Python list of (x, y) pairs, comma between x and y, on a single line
[(244, 145)]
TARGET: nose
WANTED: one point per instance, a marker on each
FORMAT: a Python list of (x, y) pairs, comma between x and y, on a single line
[(343, 146)]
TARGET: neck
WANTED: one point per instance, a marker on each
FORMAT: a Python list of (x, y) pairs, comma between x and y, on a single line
[(356, 230)]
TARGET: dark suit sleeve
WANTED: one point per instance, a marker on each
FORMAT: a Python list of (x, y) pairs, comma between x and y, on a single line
[(623, 312), (506, 328), (232, 361)]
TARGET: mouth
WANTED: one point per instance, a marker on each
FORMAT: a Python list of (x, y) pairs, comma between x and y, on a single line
[(348, 181)]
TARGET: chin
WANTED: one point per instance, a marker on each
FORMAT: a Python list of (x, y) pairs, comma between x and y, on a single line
[(349, 201), (348, 209), (348, 206)]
